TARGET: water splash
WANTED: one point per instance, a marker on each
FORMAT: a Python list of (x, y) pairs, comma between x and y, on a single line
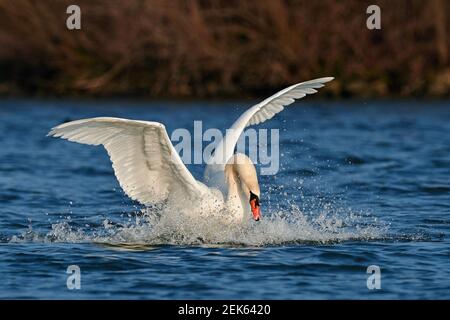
[(163, 226)]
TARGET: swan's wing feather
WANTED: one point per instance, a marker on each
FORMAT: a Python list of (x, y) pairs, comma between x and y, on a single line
[(259, 113), (266, 109), (146, 164)]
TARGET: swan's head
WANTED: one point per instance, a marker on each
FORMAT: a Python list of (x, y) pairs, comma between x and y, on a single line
[(255, 206), (250, 190), (241, 172)]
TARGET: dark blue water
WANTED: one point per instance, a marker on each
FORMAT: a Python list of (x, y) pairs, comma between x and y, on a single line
[(360, 184)]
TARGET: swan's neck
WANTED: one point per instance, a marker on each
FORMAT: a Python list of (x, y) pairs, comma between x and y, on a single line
[(241, 179), (235, 197)]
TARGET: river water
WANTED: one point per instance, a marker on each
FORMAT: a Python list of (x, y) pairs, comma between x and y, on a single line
[(359, 184)]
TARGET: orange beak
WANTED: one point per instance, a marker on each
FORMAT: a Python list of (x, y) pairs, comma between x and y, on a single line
[(256, 211)]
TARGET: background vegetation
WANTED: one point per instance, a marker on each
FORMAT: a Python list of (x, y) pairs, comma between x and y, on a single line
[(223, 48)]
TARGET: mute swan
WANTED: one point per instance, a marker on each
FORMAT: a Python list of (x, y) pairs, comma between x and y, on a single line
[(149, 169)]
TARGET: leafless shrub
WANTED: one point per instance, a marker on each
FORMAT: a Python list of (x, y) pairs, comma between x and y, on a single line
[(199, 48)]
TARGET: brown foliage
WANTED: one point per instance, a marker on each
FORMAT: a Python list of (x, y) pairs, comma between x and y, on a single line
[(199, 48)]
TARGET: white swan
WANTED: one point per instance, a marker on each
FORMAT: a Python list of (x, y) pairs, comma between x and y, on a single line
[(150, 171)]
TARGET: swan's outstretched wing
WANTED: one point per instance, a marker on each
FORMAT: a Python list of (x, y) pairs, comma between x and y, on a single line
[(146, 164), (263, 111)]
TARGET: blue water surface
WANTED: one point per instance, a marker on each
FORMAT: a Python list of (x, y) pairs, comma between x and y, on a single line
[(369, 180)]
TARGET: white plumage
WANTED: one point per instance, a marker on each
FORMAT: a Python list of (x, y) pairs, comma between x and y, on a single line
[(261, 112), (145, 163), (148, 167)]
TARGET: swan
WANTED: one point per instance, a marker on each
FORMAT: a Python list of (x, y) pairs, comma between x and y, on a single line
[(150, 171)]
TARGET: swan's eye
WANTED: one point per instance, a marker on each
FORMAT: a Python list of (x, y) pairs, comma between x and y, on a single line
[(254, 197), (254, 204)]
